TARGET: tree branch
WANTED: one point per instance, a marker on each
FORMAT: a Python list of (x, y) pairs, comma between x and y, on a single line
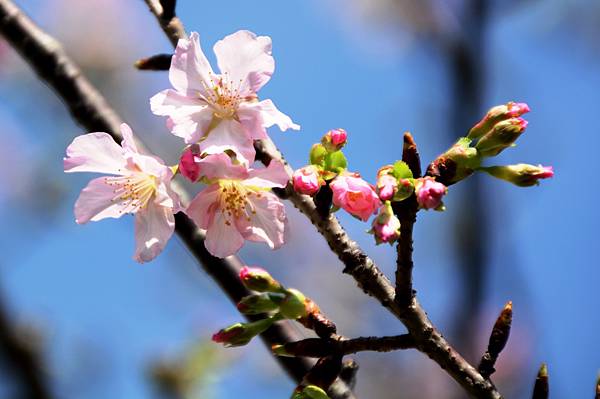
[(317, 347), (164, 11), (88, 108)]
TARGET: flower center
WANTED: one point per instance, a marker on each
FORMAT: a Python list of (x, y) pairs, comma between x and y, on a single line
[(223, 95), (234, 200), (132, 192)]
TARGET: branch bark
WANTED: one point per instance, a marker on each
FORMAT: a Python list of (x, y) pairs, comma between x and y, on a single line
[(89, 109)]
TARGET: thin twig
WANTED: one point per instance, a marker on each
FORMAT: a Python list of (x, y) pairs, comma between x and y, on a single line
[(316, 347), (158, 62), (164, 11), (87, 106)]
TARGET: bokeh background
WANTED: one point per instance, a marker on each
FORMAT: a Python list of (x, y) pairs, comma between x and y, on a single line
[(106, 327)]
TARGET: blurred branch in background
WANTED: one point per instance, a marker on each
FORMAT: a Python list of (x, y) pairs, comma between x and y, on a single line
[(21, 358)]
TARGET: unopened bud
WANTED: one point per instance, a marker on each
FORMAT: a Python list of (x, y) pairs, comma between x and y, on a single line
[(456, 164), (294, 304), (307, 181), (495, 115), (386, 226), (240, 334), (430, 193), (188, 166), (260, 303), (387, 184), (334, 139), (523, 175), (541, 388), (257, 279), (503, 135)]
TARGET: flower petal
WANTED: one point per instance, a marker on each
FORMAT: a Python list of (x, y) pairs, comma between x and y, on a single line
[(203, 207), (128, 142), (189, 117), (96, 202), (264, 111), (247, 58), (95, 152), (190, 72), (268, 223), (154, 225), (229, 135), (273, 175), (222, 237), (219, 166)]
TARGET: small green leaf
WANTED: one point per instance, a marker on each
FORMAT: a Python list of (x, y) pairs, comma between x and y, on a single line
[(314, 392), (405, 189), (317, 154), (402, 171), (335, 161)]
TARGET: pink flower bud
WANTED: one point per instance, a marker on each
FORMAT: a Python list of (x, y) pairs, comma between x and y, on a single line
[(257, 279), (387, 185), (429, 193), (523, 175), (517, 109), (355, 196), (307, 181), (497, 114), (240, 334), (386, 226), (334, 139), (188, 166), (228, 334)]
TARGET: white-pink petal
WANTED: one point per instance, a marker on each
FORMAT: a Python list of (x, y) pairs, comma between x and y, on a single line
[(273, 175), (220, 166), (95, 152), (268, 223), (154, 225), (128, 142), (95, 202), (190, 72), (229, 135), (203, 207), (222, 237), (246, 58)]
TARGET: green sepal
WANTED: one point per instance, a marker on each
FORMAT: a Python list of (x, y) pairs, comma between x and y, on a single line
[(406, 188), (401, 170), (328, 175), (317, 154), (314, 392), (335, 162)]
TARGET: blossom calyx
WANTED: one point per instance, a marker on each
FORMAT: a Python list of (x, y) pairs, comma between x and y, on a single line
[(294, 305), (240, 334), (334, 140), (456, 164), (429, 193), (503, 135), (264, 302), (495, 115), (307, 180), (257, 279), (523, 175), (386, 226)]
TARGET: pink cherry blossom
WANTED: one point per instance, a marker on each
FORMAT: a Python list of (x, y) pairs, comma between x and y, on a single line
[(355, 196), (221, 111), (140, 185), (429, 192), (387, 185), (239, 205), (386, 226), (188, 166), (307, 181)]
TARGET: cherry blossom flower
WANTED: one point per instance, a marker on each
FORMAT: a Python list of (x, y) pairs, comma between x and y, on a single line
[(140, 185), (355, 195), (239, 205), (386, 226), (221, 111)]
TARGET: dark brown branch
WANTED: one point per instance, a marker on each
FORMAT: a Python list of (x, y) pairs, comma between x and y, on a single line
[(164, 11), (498, 340), (90, 110), (158, 62), (23, 360), (348, 373), (407, 214), (597, 388), (316, 347), (541, 390)]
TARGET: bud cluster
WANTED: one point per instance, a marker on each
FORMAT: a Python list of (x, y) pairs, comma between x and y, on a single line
[(271, 299)]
